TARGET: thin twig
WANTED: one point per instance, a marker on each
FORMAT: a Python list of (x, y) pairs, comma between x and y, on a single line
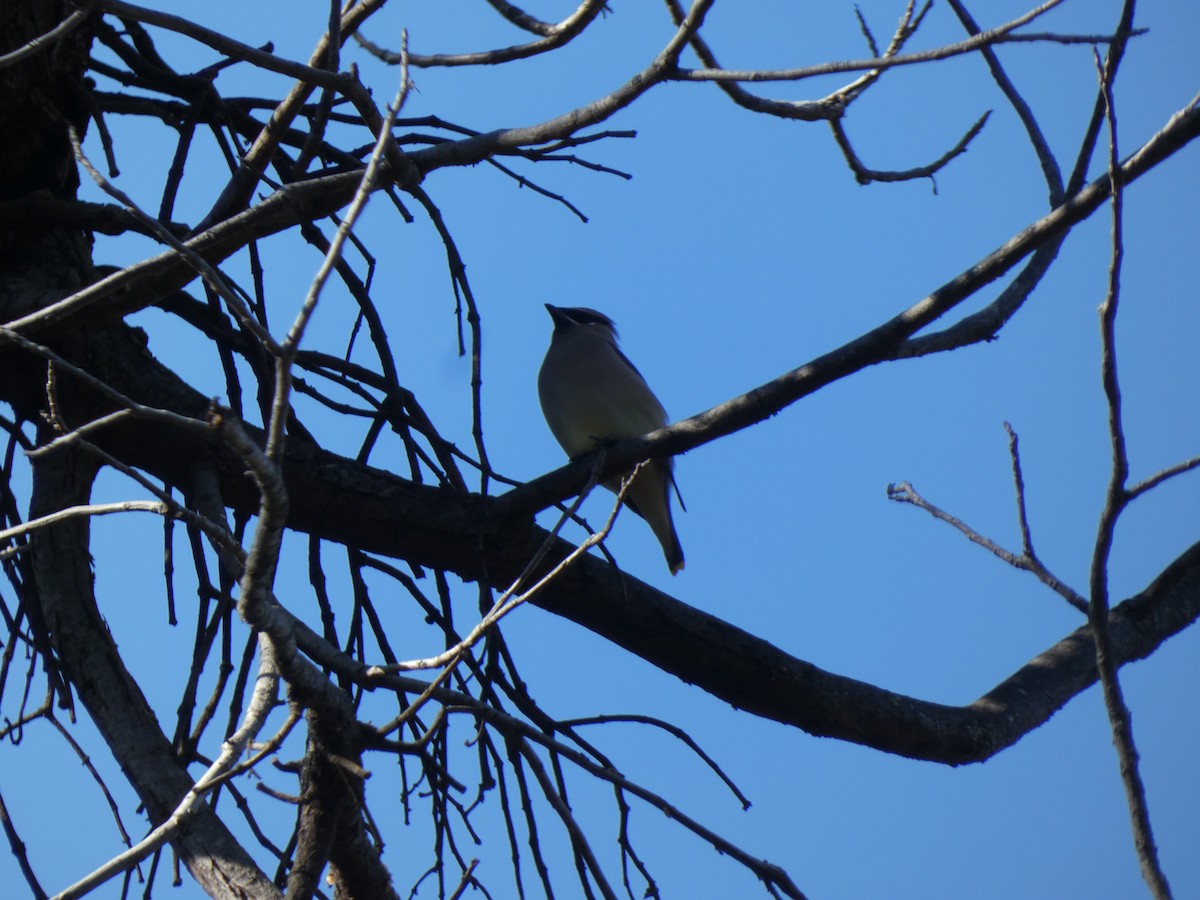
[(1112, 62), (510, 599), (225, 45), (1116, 499), (93, 509), (977, 41), (262, 702), (767, 872), (553, 36), (906, 493), (29, 48), (291, 344), (211, 275), (131, 407), (864, 175), (1159, 477), (1019, 487), (558, 803), (676, 732), (17, 846), (1050, 168)]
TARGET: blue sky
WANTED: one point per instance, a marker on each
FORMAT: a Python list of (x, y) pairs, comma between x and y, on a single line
[(741, 248)]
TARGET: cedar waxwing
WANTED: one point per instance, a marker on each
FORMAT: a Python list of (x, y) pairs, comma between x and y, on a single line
[(591, 396)]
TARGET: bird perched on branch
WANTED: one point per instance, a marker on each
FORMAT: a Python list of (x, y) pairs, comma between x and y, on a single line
[(592, 396)]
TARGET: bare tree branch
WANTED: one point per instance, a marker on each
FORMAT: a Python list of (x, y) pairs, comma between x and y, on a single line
[(886, 341), (262, 702), (1116, 499), (553, 37), (416, 548), (37, 44), (906, 493), (214, 858), (977, 41)]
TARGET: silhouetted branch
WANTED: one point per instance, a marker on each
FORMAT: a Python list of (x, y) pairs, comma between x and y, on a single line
[(979, 39), (553, 37), (863, 175), (1116, 499), (1027, 561), (889, 340), (37, 44)]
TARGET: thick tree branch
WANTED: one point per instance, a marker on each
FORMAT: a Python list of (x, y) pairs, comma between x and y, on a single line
[(91, 662), (344, 501), (355, 505), (887, 341)]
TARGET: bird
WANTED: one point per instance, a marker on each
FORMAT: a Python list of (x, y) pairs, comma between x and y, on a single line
[(592, 396)]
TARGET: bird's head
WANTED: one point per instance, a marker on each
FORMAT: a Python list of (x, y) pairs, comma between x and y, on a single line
[(567, 318)]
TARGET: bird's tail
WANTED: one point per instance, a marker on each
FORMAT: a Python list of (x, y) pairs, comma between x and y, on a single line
[(649, 497)]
